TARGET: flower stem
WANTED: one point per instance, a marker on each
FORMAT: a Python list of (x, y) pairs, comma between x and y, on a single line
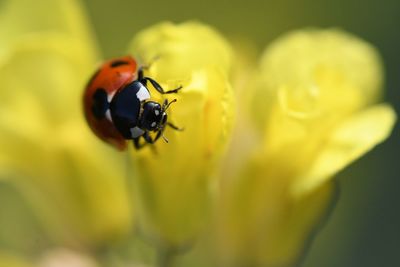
[(164, 257)]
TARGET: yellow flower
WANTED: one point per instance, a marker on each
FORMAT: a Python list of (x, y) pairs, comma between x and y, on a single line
[(245, 190), (173, 186), (320, 87), (47, 151)]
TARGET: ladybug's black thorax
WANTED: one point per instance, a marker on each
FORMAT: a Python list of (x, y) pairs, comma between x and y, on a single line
[(126, 106)]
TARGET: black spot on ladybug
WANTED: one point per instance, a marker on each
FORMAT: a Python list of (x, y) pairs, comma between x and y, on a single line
[(117, 63), (93, 77), (100, 103)]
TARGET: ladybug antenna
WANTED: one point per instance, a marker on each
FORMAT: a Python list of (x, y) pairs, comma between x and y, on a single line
[(166, 104)]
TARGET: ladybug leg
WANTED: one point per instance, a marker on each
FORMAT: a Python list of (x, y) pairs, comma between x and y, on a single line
[(148, 138), (137, 144), (173, 126), (157, 86), (159, 134), (141, 75), (174, 91), (146, 67)]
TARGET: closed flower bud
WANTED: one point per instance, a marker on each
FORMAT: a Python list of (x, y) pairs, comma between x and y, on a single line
[(174, 182)]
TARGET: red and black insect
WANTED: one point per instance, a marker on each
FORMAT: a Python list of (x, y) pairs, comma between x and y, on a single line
[(117, 106)]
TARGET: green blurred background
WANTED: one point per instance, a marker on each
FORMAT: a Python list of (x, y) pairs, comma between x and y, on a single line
[(364, 228)]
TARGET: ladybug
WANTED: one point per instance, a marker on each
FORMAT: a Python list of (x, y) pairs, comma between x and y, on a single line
[(117, 106)]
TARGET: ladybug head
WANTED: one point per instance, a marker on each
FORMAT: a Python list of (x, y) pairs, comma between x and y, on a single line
[(154, 117)]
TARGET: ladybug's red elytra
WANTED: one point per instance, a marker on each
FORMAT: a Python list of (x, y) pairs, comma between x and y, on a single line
[(117, 106)]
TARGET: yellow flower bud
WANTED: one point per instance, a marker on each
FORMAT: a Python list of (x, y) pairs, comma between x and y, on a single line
[(320, 86), (173, 184), (322, 79)]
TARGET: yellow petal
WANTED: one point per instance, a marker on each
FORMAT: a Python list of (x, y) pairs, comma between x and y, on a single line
[(46, 147), (42, 83), (45, 144), (180, 48), (51, 68), (316, 79), (294, 227), (173, 185), (19, 19), (260, 223), (298, 58), (350, 140)]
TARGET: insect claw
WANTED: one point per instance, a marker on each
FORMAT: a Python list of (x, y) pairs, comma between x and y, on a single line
[(165, 139)]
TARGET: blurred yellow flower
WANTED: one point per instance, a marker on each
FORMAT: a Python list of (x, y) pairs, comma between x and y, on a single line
[(310, 108), (314, 109), (47, 150)]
